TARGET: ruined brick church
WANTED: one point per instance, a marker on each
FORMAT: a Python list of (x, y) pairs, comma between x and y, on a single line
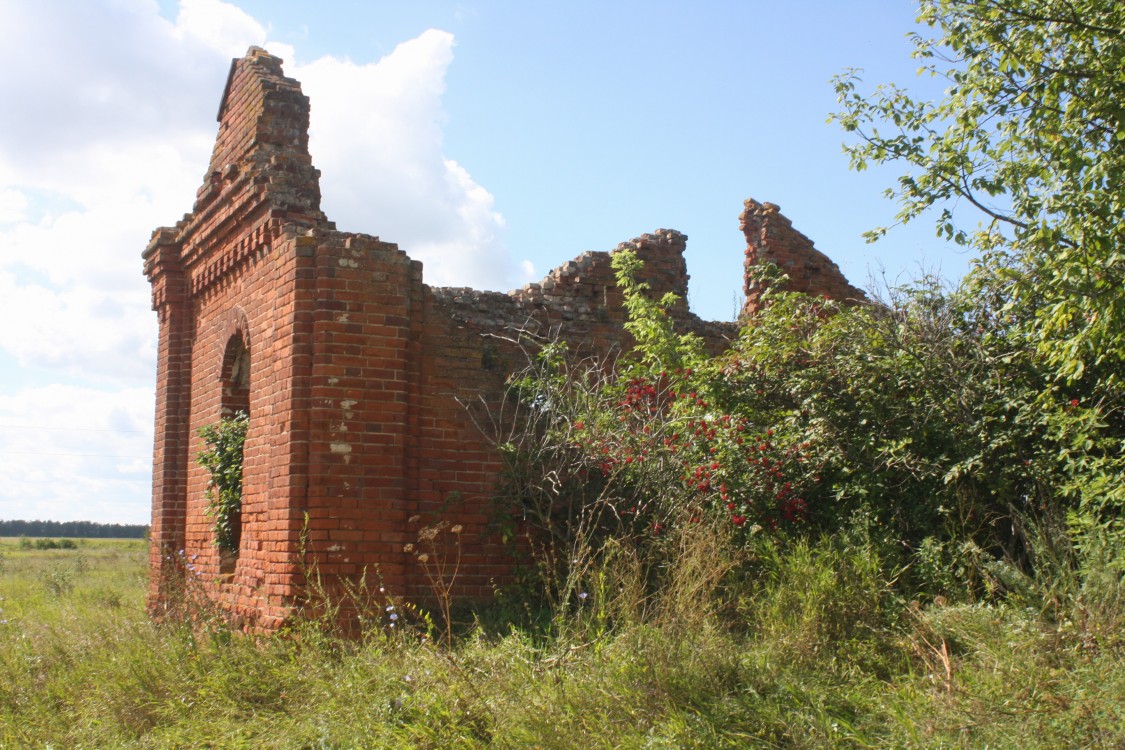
[(352, 370)]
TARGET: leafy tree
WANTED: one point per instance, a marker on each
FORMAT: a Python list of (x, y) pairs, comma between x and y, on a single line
[(1030, 133)]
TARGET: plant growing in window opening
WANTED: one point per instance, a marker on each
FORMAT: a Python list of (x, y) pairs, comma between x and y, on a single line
[(223, 460)]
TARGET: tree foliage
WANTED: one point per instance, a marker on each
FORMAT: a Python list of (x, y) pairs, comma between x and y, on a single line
[(1030, 134), (80, 529)]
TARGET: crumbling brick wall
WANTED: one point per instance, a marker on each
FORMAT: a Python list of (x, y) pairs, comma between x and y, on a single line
[(771, 238), (353, 371)]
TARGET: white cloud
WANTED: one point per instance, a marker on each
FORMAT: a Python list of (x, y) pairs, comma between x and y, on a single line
[(85, 331), (76, 453), (13, 206), (376, 135), (113, 136), (116, 119), (223, 27)]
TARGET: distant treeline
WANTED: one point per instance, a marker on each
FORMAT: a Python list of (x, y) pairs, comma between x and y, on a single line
[(77, 529)]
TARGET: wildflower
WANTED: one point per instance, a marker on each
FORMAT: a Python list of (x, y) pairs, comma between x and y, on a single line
[(408, 548), (394, 616), (738, 520), (390, 608), (456, 529), (582, 595), (423, 557)]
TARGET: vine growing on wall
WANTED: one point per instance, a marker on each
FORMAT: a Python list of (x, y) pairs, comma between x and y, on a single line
[(223, 460)]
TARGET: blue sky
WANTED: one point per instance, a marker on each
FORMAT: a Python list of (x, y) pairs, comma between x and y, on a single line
[(491, 140)]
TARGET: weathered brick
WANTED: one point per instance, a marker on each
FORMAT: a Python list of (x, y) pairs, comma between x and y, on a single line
[(357, 370)]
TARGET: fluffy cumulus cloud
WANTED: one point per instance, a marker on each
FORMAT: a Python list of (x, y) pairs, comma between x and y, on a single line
[(76, 453), (376, 135), (110, 120)]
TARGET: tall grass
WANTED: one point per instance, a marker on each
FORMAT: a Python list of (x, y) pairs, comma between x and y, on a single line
[(805, 644)]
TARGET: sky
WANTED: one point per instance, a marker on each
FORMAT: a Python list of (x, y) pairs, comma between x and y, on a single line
[(491, 140)]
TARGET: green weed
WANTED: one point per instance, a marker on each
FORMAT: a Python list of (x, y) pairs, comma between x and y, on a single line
[(802, 644)]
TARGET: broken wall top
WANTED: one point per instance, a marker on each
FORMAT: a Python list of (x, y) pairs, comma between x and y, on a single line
[(261, 181), (771, 238)]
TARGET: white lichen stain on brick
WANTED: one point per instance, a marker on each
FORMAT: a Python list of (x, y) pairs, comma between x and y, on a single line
[(335, 548), (341, 448), (342, 318), (345, 263)]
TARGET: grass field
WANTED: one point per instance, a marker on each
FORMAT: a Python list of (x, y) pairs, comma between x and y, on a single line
[(818, 653)]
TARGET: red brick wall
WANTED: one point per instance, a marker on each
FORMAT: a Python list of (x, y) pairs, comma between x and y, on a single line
[(771, 238), (359, 373)]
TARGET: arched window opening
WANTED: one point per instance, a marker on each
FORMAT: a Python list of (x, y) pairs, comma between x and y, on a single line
[(236, 378), (235, 402)]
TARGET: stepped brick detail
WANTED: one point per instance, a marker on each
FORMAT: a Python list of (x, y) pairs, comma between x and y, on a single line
[(354, 372)]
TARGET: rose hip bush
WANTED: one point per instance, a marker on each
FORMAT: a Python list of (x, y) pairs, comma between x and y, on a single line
[(693, 459), (912, 417), (662, 437)]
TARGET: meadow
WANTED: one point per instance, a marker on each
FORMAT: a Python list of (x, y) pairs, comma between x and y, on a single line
[(810, 649), (888, 525)]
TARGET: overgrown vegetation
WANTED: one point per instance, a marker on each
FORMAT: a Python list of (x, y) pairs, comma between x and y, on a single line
[(223, 460), (824, 655), (1030, 135), (894, 524)]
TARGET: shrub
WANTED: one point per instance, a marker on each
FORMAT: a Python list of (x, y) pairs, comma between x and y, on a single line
[(913, 412), (223, 460)]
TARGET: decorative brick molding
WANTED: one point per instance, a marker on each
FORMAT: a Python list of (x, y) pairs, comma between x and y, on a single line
[(357, 370)]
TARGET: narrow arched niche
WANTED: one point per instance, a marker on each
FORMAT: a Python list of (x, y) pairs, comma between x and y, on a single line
[(236, 377), (235, 400)]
